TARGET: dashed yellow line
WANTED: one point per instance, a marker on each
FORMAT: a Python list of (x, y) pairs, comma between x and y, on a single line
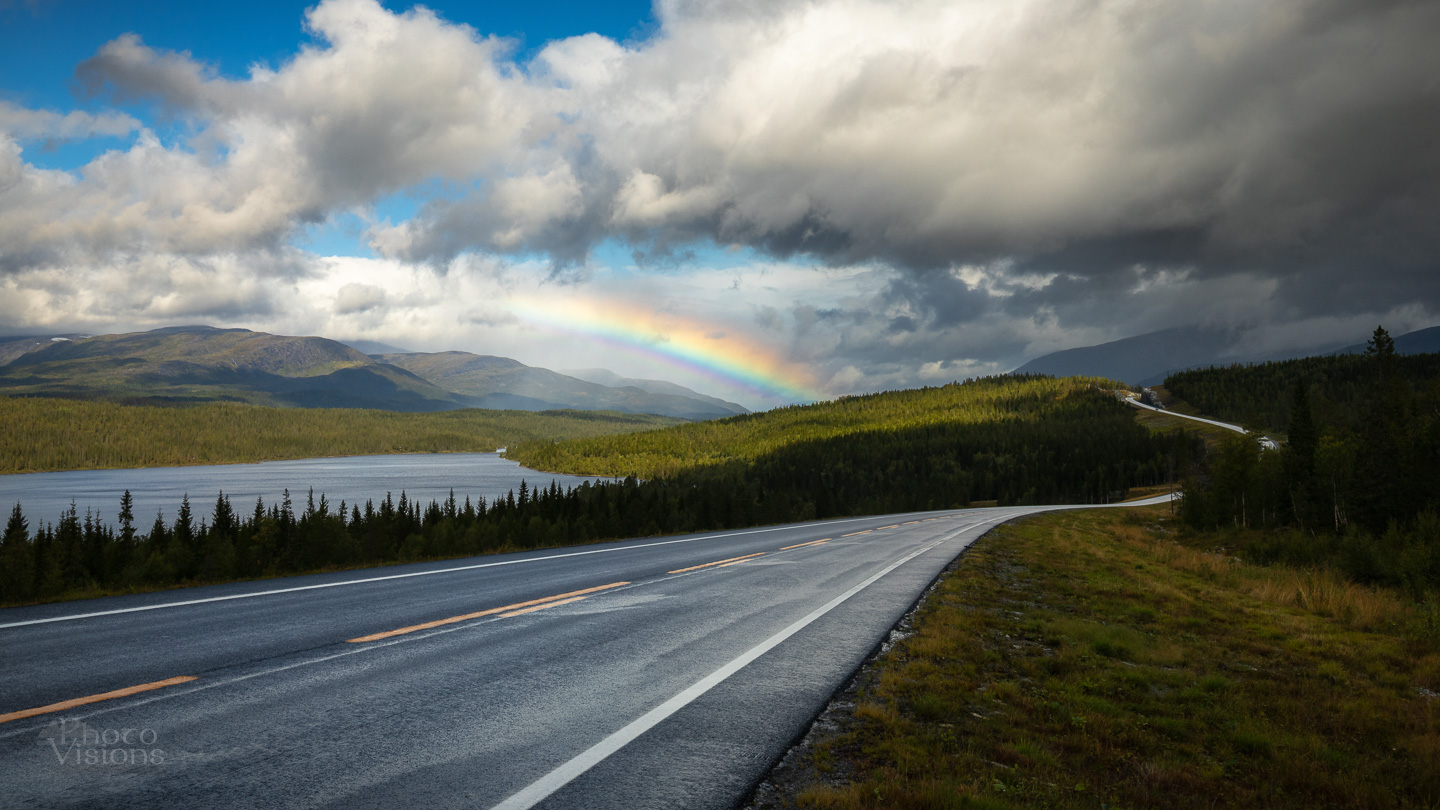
[(883, 528), (503, 611), (118, 693), (811, 543), (909, 523), (545, 606), (856, 534), (730, 561)]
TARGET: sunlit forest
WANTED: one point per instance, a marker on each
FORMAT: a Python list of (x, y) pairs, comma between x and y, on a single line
[(43, 434), (651, 454), (1010, 440)]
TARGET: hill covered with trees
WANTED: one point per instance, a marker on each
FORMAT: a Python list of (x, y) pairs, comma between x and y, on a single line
[(56, 434), (1260, 396), (1357, 485), (1011, 440)]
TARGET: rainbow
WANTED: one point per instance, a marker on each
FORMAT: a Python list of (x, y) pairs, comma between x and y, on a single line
[(688, 345)]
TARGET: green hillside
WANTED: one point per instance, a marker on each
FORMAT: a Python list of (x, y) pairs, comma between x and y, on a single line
[(184, 365), (43, 434), (746, 438)]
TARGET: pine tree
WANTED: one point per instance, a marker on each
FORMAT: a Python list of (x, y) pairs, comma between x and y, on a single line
[(1385, 479), (184, 531), (1299, 458), (17, 560), (127, 520)]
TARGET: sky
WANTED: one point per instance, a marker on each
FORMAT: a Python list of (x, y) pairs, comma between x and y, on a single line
[(769, 201)]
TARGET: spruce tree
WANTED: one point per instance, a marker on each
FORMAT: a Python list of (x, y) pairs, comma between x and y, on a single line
[(127, 520), (1299, 458), (17, 560)]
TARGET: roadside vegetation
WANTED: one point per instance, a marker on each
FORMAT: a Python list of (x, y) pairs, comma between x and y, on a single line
[(1113, 659), (43, 434), (1003, 440)]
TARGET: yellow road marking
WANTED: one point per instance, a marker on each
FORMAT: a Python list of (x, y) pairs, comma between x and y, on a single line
[(118, 693), (543, 607), (730, 561), (502, 610), (882, 528), (802, 545), (909, 523), (853, 534), (741, 560)]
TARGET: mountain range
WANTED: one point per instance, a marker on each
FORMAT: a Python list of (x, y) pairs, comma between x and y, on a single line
[(188, 364), (1148, 359)]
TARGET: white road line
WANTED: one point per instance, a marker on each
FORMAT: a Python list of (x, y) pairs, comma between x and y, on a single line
[(541, 788), (419, 573)]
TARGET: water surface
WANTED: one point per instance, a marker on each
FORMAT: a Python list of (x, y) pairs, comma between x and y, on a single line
[(427, 476)]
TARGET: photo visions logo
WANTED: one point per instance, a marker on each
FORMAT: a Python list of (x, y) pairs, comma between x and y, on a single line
[(76, 743)]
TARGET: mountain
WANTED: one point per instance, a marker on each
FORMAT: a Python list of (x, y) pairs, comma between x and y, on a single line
[(203, 364), (610, 379), (1149, 359), (1421, 341), (1143, 359), (499, 382), (13, 347), (373, 347)]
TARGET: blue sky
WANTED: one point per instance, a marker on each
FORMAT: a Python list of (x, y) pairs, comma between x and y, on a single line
[(883, 193)]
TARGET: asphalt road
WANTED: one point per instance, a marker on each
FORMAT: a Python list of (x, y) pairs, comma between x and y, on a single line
[(604, 676)]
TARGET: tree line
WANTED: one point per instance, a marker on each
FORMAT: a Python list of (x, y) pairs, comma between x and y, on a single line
[(1047, 443), (1357, 484)]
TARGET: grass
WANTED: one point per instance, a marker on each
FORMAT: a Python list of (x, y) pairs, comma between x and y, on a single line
[(1088, 659), (1164, 423)]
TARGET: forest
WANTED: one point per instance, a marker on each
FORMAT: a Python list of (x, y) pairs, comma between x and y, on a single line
[(688, 447), (44, 434), (1260, 395), (1007, 439), (1357, 484)]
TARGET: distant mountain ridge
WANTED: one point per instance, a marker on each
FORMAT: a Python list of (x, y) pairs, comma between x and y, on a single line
[(176, 365), (1148, 359), (500, 382), (610, 379), (192, 364), (1421, 341)]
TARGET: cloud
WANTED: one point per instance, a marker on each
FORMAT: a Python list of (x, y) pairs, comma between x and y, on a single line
[(19, 122), (353, 298), (927, 186)]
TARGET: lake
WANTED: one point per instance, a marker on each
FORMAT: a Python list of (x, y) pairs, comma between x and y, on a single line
[(43, 497)]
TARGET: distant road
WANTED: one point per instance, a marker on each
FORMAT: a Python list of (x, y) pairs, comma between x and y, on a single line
[(650, 673), (1265, 441)]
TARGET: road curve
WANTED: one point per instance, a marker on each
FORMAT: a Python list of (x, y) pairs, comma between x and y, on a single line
[(660, 672)]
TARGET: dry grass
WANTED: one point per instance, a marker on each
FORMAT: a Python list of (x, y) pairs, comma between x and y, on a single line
[(1089, 660)]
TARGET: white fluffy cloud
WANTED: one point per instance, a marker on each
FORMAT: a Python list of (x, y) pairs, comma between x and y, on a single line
[(1019, 174)]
